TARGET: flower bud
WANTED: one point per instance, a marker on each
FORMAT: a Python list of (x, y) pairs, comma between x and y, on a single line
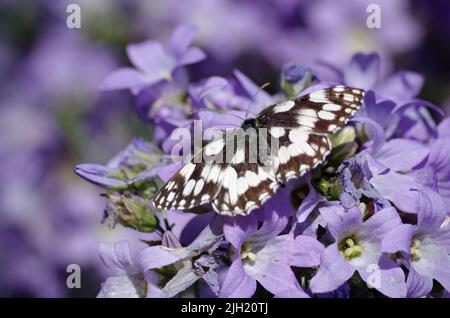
[(295, 78), (131, 211)]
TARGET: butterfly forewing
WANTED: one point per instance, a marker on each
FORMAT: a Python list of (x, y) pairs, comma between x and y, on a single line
[(327, 110), (324, 111)]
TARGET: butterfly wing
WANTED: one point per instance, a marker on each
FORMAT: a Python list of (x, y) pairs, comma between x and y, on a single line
[(244, 187), (302, 127), (196, 183), (234, 188), (298, 153), (321, 112), (327, 110)]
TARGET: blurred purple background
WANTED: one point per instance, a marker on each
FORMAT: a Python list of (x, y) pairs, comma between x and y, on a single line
[(52, 116)]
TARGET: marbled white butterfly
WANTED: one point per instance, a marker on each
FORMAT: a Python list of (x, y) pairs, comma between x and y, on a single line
[(236, 187)]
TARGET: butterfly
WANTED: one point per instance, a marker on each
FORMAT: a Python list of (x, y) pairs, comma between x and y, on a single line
[(237, 186)]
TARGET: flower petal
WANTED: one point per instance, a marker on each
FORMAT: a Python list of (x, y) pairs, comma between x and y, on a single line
[(122, 287), (191, 56), (333, 271), (208, 239), (202, 89), (167, 171), (418, 285), (305, 251), (276, 278), (261, 98), (271, 267), (237, 229), (379, 110), (431, 210), (237, 284), (401, 154), (152, 59), (99, 175), (126, 78), (398, 239), (340, 221), (375, 132), (444, 128), (401, 86), (395, 188), (182, 280), (181, 39), (433, 262), (382, 222), (159, 256), (309, 204), (292, 293), (275, 218), (387, 277), (363, 71), (119, 257)]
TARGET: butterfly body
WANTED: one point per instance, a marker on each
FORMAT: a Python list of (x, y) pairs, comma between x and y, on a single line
[(249, 123), (238, 182)]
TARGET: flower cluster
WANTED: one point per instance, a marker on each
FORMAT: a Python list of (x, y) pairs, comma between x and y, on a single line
[(372, 220)]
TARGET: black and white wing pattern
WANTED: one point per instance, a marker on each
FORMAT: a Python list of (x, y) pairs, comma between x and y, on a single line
[(237, 187), (302, 127), (196, 183), (234, 188)]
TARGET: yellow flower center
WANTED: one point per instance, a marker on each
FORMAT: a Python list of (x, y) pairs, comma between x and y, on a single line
[(349, 248), (246, 252), (415, 249)]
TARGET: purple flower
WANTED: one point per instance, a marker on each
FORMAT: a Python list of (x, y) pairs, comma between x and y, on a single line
[(380, 111), (295, 78), (399, 31), (309, 204), (435, 174), (218, 93), (236, 100), (355, 176), (194, 262), (130, 279), (155, 62), (261, 254), (364, 175), (401, 155), (137, 162), (391, 102), (294, 73), (364, 71), (357, 247), (426, 246)]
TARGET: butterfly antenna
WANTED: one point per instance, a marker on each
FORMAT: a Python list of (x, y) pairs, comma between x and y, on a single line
[(254, 96)]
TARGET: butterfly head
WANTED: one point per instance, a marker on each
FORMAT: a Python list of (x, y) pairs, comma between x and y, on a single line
[(249, 123)]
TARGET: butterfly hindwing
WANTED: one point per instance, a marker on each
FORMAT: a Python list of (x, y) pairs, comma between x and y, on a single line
[(196, 183), (298, 153), (244, 187)]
